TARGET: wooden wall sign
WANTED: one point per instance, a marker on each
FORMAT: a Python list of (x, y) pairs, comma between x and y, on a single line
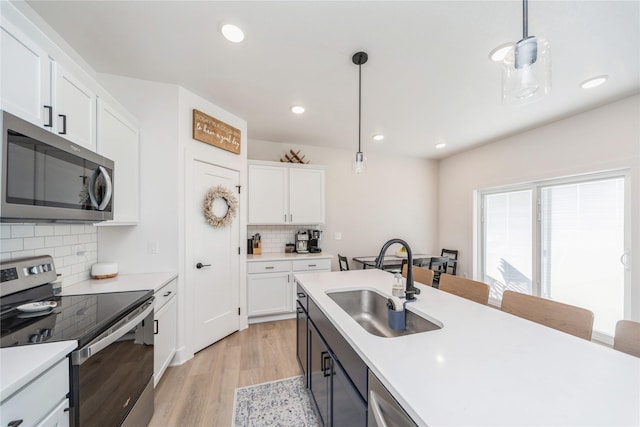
[(214, 132)]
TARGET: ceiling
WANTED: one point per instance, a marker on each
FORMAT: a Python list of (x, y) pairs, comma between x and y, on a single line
[(428, 79)]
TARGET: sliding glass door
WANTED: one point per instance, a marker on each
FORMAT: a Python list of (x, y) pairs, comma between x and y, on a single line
[(563, 240)]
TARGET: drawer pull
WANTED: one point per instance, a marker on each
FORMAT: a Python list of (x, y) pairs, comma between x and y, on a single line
[(167, 294), (269, 268), (14, 423), (312, 265), (300, 310), (157, 327), (301, 295)]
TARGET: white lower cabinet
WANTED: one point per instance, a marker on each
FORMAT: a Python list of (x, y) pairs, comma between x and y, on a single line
[(59, 417), (42, 402), (165, 329), (271, 289), (269, 293)]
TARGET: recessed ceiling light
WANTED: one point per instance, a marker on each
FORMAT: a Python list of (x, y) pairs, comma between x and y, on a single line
[(593, 82), (378, 137), (232, 33), (297, 109), (499, 53), (441, 145)]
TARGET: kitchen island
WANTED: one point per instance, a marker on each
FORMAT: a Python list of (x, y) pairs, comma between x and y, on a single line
[(485, 367)]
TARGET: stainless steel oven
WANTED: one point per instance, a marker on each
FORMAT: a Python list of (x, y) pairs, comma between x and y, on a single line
[(111, 372), (112, 376), (44, 177)]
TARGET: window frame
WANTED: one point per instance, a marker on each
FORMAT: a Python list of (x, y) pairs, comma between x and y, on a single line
[(536, 232)]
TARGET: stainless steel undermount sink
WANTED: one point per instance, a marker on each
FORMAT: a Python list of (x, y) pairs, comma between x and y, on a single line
[(369, 309)]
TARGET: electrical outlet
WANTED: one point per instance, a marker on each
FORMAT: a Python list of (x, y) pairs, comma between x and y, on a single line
[(153, 247), (465, 275), (337, 235)]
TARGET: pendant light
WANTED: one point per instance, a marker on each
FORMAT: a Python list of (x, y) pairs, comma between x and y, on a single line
[(359, 163), (526, 71)]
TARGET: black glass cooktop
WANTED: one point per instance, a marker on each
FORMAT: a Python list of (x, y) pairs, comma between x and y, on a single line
[(75, 317)]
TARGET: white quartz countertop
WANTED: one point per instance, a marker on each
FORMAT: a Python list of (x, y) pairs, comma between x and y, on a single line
[(121, 283), (282, 256), (486, 367), (21, 365)]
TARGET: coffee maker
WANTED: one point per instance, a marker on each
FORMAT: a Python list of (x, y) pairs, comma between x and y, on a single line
[(302, 242), (314, 241)]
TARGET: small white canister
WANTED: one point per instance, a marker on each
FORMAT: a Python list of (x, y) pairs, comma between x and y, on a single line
[(104, 270)]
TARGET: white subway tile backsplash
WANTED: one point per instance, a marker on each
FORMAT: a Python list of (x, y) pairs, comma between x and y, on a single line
[(34, 243), (5, 231), (53, 241), (57, 240), (275, 237), (22, 231), (70, 240), (62, 229), (11, 245), (43, 230), (61, 251), (22, 254)]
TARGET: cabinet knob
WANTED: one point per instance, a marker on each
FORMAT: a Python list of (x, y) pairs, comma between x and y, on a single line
[(200, 265)]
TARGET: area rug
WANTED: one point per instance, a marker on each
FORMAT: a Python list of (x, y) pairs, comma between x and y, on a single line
[(276, 403)]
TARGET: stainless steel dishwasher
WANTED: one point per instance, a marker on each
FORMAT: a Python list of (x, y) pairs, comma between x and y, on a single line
[(384, 409)]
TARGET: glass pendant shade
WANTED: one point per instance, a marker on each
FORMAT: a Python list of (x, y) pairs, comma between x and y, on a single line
[(526, 72), (359, 165)]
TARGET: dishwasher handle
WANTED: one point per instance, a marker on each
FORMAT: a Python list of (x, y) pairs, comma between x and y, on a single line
[(121, 328), (375, 408)]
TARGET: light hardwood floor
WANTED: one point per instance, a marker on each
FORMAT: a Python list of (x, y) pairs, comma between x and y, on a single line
[(200, 392)]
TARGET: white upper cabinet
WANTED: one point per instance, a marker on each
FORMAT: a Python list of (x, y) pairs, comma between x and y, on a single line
[(286, 194), (36, 88), (268, 202), (118, 140), (74, 109), (306, 196), (25, 73)]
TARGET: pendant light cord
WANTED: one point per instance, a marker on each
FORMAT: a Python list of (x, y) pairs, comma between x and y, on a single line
[(359, 104), (525, 19)]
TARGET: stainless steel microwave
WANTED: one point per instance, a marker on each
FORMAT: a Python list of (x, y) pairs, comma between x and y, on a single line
[(47, 178)]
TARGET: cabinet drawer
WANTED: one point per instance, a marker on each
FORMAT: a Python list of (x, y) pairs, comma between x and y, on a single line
[(164, 294), (38, 398), (312, 265), (268, 267)]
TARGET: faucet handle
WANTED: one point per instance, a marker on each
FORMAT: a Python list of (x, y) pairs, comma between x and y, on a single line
[(410, 294)]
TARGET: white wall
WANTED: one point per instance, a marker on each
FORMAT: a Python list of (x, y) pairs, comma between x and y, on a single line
[(156, 107), (397, 197), (166, 148), (601, 139)]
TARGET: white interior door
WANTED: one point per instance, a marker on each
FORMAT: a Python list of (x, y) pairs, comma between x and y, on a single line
[(215, 250)]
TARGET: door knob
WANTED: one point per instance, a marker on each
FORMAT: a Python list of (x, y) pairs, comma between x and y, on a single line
[(200, 265)]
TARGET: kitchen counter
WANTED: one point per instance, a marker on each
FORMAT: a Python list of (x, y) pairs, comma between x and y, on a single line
[(282, 256), (485, 367), (121, 283), (21, 365)]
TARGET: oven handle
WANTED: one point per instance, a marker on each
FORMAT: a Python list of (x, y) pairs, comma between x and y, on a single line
[(78, 357)]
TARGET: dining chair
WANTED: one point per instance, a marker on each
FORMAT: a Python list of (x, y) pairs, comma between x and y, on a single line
[(420, 275), (439, 266), (452, 254), (627, 337), (343, 262), (465, 288), (563, 317)]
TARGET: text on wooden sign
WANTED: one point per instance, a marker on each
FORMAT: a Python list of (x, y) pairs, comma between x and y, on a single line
[(214, 132)]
